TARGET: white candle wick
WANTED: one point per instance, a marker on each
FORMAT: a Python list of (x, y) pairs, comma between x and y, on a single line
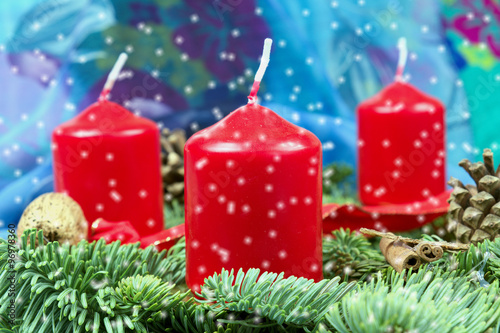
[(113, 75), (403, 55), (264, 61)]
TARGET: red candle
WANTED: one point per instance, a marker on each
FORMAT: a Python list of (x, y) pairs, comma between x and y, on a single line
[(108, 160), (401, 152), (253, 195)]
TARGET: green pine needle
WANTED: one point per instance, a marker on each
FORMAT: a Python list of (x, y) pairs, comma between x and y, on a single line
[(350, 256), (426, 301), (291, 301), (98, 287), (92, 287)]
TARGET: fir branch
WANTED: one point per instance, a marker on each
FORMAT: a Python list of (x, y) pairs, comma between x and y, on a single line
[(350, 256), (173, 213), (176, 262), (121, 288), (295, 302), (427, 301), (338, 184), (483, 258), (59, 287)]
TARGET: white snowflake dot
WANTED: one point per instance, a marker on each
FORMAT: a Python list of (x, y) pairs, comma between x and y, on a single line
[(201, 163), (231, 207), (245, 208), (221, 199), (115, 196)]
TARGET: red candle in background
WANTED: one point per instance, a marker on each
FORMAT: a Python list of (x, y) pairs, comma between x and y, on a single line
[(253, 195), (401, 144), (108, 160)]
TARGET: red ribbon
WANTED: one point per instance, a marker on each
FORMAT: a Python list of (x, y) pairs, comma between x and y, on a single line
[(401, 217), (126, 233), (394, 218)]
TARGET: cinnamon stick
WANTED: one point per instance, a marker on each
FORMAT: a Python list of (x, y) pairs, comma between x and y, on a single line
[(399, 255), (410, 241), (429, 251)]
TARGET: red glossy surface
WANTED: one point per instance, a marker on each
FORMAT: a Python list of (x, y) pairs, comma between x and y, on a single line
[(108, 160), (401, 152), (253, 197)]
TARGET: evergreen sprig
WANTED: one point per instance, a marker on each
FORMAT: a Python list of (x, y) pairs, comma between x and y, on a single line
[(292, 301), (100, 287), (63, 287), (481, 260), (350, 255), (426, 301)]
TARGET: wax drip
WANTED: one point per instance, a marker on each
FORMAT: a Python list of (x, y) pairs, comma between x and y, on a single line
[(113, 76), (264, 61), (403, 55)]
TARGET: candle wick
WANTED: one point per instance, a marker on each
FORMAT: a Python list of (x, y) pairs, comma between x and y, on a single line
[(403, 55), (113, 76), (264, 61)]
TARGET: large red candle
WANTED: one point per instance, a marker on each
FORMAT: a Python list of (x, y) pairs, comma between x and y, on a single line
[(108, 160), (401, 146), (253, 196)]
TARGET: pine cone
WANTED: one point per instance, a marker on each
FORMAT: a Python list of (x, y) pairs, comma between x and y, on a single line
[(474, 212), (172, 169)]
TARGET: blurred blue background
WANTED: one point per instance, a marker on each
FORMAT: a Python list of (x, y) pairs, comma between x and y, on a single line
[(192, 62)]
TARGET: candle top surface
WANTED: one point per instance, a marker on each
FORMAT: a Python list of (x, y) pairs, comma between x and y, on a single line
[(399, 96), (253, 128), (105, 117)]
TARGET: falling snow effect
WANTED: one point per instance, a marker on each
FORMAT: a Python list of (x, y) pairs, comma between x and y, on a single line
[(306, 101)]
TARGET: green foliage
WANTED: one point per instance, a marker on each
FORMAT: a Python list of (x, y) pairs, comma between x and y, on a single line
[(426, 301), (173, 213), (176, 262), (350, 256), (92, 287), (121, 288), (482, 260), (338, 184), (292, 302)]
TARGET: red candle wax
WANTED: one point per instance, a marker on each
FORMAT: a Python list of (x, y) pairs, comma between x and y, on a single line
[(108, 160), (253, 197), (401, 146)]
